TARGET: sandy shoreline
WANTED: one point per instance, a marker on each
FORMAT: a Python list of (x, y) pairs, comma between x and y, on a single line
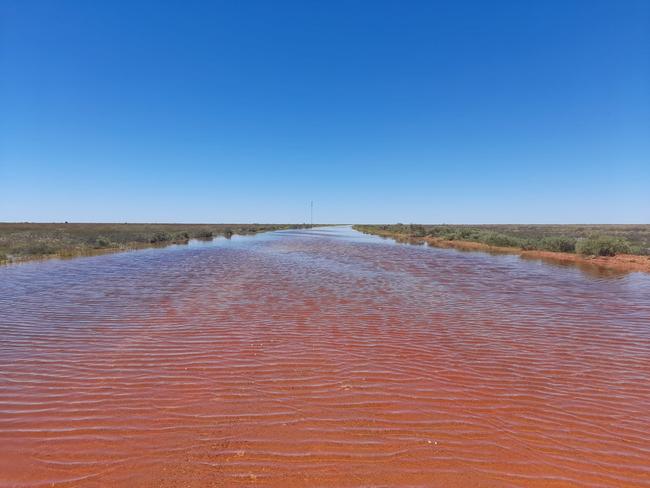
[(620, 262)]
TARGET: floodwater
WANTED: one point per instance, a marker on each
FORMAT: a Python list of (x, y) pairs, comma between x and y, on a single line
[(322, 358)]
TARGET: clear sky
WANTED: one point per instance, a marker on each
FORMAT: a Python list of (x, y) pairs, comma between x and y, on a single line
[(244, 111)]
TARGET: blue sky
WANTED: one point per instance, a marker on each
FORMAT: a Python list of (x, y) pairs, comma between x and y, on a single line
[(457, 112)]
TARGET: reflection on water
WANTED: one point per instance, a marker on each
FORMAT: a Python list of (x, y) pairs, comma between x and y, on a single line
[(321, 358)]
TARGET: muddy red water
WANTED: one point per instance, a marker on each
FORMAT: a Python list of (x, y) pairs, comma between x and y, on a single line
[(322, 358)]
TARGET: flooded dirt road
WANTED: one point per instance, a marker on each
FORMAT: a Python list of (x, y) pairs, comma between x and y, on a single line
[(322, 358)]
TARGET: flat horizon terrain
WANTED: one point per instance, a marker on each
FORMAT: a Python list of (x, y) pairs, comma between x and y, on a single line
[(25, 241), (321, 357)]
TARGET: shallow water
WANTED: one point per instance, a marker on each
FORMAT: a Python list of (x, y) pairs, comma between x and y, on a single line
[(322, 358)]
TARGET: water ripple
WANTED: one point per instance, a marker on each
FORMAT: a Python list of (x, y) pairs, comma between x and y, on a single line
[(322, 358)]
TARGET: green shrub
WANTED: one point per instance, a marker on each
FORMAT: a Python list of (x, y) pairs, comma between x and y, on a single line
[(160, 237), (181, 237), (641, 251), (417, 230), (453, 234), (462, 234), (557, 244), (102, 241), (529, 244), (500, 240), (602, 246)]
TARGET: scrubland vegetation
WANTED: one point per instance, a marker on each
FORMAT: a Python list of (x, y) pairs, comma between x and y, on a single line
[(24, 241), (588, 240)]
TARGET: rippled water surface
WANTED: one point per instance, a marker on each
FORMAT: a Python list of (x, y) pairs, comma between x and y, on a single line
[(322, 358)]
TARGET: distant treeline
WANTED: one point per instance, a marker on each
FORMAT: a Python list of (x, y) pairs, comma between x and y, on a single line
[(23, 241), (595, 240)]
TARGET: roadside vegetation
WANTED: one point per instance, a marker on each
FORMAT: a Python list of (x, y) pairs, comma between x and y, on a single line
[(586, 240), (26, 241)]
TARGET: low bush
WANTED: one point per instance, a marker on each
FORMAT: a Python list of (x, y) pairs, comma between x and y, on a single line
[(417, 230), (557, 244), (181, 237), (529, 245), (500, 240), (602, 246), (102, 241), (160, 237), (641, 251)]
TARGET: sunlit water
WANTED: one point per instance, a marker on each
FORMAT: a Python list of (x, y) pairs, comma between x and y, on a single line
[(322, 358)]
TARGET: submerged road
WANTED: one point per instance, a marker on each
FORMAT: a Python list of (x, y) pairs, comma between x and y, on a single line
[(322, 357)]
